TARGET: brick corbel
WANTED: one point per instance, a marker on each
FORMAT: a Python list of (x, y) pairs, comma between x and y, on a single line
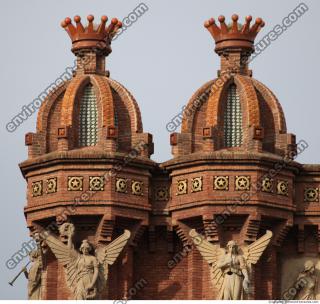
[(182, 231), (211, 229), (63, 135), (181, 143), (281, 231), (212, 138), (256, 135), (34, 142), (105, 230), (251, 228), (136, 234), (143, 144)]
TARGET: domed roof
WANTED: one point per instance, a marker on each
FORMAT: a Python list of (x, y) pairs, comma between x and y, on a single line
[(233, 111), (116, 109), (91, 110)]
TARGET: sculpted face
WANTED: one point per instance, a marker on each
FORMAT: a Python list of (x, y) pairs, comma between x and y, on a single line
[(65, 231), (232, 247), (309, 267), (85, 247)]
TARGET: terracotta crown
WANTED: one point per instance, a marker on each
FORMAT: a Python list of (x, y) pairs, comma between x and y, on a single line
[(235, 35), (92, 36)]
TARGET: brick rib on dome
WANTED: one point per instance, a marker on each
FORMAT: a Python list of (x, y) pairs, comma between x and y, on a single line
[(248, 99), (131, 104), (44, 111), (273, 103), (187, 121), (253, 112), (107, 108), (212, 116), (104, 98)]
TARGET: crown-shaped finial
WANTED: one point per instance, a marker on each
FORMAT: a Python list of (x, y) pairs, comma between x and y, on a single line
[(235, 35), (92, 36)]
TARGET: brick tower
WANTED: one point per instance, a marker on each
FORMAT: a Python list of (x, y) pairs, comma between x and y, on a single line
[(232, 176), (89, 158)]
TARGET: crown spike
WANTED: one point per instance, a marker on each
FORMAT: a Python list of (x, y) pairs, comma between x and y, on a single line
[(90, 28), (69, 27), (102, 25), (257, 26), (113, 27), (91, 37), (118, 25), (223, 26), (77, 20), (235, 28), (246, 26), (234, 37), (212, 27)]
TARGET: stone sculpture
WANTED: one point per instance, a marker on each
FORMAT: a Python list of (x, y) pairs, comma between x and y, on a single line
[(230, 267), (87, 270)]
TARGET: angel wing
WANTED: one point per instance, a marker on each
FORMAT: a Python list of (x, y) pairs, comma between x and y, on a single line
[(66, 256), (253, 252), (107, 255), (212, 254)]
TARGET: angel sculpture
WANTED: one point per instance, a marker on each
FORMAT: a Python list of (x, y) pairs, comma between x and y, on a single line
[(230, 267), (34, 275), (87, 273)]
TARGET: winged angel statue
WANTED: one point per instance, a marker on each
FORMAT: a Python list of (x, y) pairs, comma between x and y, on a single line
[(86, 273), (230, 267)]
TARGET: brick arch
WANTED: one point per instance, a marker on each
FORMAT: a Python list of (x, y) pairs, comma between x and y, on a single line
[(249, 100), (69, 99), (51, 139), (187, 125), (104, 99), (249, 106), (215, 103), (46, 106)]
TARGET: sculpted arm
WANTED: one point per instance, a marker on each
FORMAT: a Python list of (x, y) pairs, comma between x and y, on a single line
[(245, 273), (244, 270), (224, 261)]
